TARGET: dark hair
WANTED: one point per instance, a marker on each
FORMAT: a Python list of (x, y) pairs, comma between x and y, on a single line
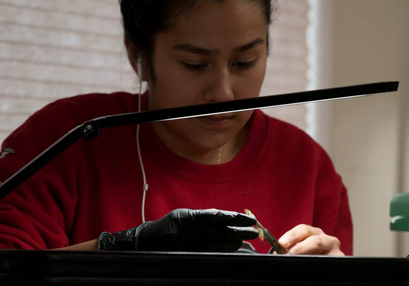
[(144, 19)]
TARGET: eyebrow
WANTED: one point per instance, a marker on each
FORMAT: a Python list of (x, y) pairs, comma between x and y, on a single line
[(206, 52)]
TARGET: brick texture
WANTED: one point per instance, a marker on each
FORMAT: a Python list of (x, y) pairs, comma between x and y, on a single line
[(59, 48)]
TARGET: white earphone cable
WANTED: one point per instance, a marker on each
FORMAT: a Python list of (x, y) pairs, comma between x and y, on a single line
[(145, 185)]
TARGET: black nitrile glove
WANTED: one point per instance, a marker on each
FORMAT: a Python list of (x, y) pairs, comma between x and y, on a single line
[(209, 230)]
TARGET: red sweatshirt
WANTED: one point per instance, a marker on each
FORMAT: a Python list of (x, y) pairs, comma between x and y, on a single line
[(281, 175)]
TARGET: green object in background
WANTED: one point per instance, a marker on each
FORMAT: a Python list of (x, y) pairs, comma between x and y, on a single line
[(399, 212)]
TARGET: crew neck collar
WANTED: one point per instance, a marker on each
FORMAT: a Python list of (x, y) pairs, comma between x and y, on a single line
[(157, 151)]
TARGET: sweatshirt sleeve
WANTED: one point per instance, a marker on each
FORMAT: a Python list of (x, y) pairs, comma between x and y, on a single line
[(332, 213), (343, 226), (39, 213)]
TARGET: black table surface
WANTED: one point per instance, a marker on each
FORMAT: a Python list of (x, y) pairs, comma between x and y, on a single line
[(182, 268)]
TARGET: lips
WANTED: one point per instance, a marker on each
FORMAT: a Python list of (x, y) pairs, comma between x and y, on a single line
[(218, 117), (217, 121)]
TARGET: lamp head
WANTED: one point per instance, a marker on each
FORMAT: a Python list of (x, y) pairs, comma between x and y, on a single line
[(399, 212)]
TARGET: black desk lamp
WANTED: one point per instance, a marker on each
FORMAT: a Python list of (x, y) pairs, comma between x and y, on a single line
[(91, 129)]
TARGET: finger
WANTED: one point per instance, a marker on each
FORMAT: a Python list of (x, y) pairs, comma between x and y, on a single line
[(242, 233), (221, 217), (227, 233), (336, 252), (317, 244), (298, 234), (219, 240)]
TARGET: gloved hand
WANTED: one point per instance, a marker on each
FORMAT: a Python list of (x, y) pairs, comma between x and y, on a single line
[(209, 230)]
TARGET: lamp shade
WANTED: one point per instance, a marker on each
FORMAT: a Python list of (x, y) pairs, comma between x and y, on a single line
[(399, 212)]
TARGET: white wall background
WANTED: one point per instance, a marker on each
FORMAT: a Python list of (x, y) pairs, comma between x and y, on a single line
[(368, 137)]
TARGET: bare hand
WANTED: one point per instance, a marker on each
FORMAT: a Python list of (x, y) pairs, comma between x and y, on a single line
[(305, 239)]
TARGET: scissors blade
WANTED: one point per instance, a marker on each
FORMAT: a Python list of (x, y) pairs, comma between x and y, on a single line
[(274, 243), (276, 246)]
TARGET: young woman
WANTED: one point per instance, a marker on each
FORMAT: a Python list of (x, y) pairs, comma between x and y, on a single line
[(202, 172)]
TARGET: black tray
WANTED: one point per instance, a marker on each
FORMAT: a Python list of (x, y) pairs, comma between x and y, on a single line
[(164, 268)]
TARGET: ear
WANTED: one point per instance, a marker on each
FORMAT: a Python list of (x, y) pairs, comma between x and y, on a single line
[(133, 54)]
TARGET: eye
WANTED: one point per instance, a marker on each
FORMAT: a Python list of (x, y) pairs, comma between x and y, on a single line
[(244, 65), (195, 67)]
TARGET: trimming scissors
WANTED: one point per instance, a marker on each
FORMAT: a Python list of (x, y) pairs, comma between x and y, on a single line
[(275, 245)]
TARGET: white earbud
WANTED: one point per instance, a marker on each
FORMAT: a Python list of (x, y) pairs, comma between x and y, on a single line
[(139, 67)]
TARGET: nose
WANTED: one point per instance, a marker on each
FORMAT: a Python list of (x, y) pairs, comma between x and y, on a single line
[(220, 87)]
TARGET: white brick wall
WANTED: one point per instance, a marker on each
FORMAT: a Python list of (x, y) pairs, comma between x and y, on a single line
[(52, 49), (56, 48), (287, 64)]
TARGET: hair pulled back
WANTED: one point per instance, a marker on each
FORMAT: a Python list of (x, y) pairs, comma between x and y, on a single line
[(143, 19)]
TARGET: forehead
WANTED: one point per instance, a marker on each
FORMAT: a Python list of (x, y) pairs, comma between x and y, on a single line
[(216, 24)]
